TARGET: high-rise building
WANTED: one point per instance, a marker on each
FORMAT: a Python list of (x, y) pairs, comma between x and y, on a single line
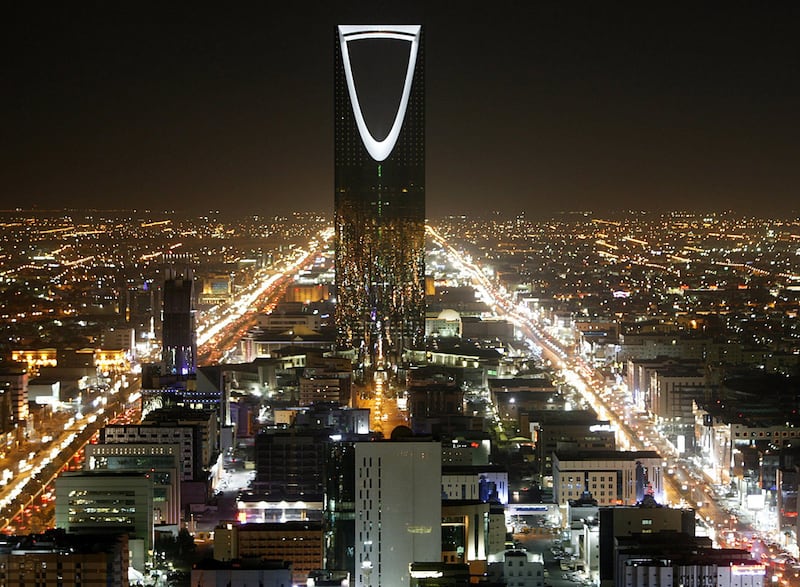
[(380, 190), (111, 502), (179, 337), (14, 392), (398, 510)]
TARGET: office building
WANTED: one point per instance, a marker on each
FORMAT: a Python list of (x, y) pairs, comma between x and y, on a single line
[(612, 477), (290, 463), (577, 430), (467, 533), (299, 543), (58, 558), (194, 445), (646, 518), (161, 461), (668, 558), (108, 502), (379, 190), (14, 385), (485, 483), (179, 337), (398, 510)]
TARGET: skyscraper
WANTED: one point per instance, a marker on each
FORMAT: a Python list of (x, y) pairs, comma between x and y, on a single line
[(179, 337), (398, 509), (380, 190)]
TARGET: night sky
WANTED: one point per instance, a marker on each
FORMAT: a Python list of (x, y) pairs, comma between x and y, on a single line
[(532, 106)]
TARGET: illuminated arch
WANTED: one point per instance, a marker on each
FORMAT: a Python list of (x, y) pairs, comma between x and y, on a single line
[(379, 150)]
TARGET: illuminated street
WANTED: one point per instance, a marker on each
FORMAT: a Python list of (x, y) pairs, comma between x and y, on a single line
[(688, 483)]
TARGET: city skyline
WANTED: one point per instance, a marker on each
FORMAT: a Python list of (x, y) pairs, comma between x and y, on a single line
[(542, 108)]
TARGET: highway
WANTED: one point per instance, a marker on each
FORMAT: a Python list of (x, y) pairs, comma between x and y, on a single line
[(686, 485), (221, 327), (217, 331), (48, 459)]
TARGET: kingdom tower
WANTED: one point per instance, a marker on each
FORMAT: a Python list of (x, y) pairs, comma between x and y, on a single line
[(379, 190)]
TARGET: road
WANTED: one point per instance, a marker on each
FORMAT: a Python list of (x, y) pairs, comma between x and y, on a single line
[(21, 491), (219, 329), (47, 459), (688, 484), (381, 400)]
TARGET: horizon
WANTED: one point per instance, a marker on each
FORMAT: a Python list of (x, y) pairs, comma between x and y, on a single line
[(558, 107)]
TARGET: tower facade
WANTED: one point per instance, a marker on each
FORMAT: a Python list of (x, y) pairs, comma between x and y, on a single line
[(179, 335), (379, 190), (398, 510)]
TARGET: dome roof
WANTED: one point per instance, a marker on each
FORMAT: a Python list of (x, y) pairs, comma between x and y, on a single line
[(450, 315)]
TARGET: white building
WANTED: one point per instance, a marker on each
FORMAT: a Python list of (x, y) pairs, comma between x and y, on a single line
[(161, 461), (523, 569), (656, 573), (464, 482), (136, 434), (612, 477), (398, 510)]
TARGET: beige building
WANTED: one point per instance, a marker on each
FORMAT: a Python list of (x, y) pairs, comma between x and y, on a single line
[(55, 558), (299, 543)]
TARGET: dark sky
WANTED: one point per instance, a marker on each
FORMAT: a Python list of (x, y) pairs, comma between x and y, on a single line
[(534, 106)]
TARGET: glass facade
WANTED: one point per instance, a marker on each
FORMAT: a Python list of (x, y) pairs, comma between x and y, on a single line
[(179, 344), (379, 190)]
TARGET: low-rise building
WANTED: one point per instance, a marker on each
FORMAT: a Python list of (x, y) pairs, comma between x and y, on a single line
[(299, 543), (59, 558), (612, 477), (214, 573)]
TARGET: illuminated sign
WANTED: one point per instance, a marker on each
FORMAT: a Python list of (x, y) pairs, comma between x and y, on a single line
[(379, 150), (601, 428), (419, 529), (753, 570)]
